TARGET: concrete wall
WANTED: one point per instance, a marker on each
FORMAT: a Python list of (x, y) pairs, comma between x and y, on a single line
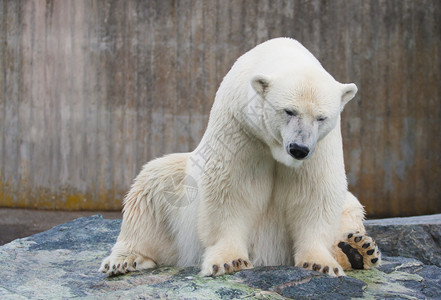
[(91, 90)]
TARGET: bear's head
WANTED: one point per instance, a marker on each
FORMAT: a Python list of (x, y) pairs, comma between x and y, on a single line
[(296, 110)]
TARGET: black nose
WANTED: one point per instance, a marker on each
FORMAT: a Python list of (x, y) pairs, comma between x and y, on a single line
[(298, 151)]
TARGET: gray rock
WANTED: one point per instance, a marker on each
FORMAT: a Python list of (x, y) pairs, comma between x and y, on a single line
[(296, 283), (62, 263), (414, 237)]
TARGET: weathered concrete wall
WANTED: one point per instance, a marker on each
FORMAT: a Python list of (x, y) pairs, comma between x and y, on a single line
[(91, 90)]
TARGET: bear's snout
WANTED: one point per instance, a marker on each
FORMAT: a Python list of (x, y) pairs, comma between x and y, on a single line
[(298, 151)]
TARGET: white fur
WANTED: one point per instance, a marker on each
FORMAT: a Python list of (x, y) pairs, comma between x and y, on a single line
[(254, 200)]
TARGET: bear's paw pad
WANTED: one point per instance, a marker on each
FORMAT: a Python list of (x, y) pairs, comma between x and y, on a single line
[(121, 264), (361, 250)]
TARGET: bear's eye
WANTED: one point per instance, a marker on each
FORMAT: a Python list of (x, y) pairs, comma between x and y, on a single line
[(291, 112), (321, 119)]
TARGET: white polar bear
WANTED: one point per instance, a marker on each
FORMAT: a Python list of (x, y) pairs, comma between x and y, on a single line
[(266, 185)]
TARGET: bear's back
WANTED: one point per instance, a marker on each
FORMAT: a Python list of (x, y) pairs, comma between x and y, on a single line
[(276, 54)]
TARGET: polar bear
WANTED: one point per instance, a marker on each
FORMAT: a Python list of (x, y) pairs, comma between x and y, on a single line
[(266, 185)]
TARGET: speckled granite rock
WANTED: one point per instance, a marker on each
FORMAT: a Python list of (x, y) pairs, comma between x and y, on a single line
[(62, 263), (415, 237)]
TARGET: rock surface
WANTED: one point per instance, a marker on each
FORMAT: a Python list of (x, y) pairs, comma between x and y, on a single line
[(62, 263), (415, 237)]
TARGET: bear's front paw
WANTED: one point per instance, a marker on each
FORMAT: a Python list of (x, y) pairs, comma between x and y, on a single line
[(329, 268), (224, 265), (121, 264), (360, 250), (320, 262)]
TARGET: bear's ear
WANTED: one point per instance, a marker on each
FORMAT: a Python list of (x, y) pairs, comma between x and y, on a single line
[(348, 92), (261, 84)]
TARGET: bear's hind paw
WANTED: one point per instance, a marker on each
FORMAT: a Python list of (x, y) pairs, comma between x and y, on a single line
[(360, 250)]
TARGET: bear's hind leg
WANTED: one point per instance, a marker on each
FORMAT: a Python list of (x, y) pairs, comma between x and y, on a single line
[(355, 249), (143, 243), (146, 239)]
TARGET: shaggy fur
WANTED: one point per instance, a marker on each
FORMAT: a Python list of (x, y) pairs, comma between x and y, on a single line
[(244, 196)]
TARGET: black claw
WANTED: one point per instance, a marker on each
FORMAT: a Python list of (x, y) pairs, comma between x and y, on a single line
[(316, 267), (305, 265), (246, 263), (326, 270), (357, 239), (234, 263), (114, 267), (125, 265), (370, 252), (336, 271), (119, 265), (134, 264), (240, 261), (365, 245), (350, 235), (227, 267), (106, 266), (374, 260)]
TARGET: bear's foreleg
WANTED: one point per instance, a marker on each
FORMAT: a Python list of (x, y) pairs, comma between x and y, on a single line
[(235, 190), (223, 231), (313, 227), (314, 254)]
